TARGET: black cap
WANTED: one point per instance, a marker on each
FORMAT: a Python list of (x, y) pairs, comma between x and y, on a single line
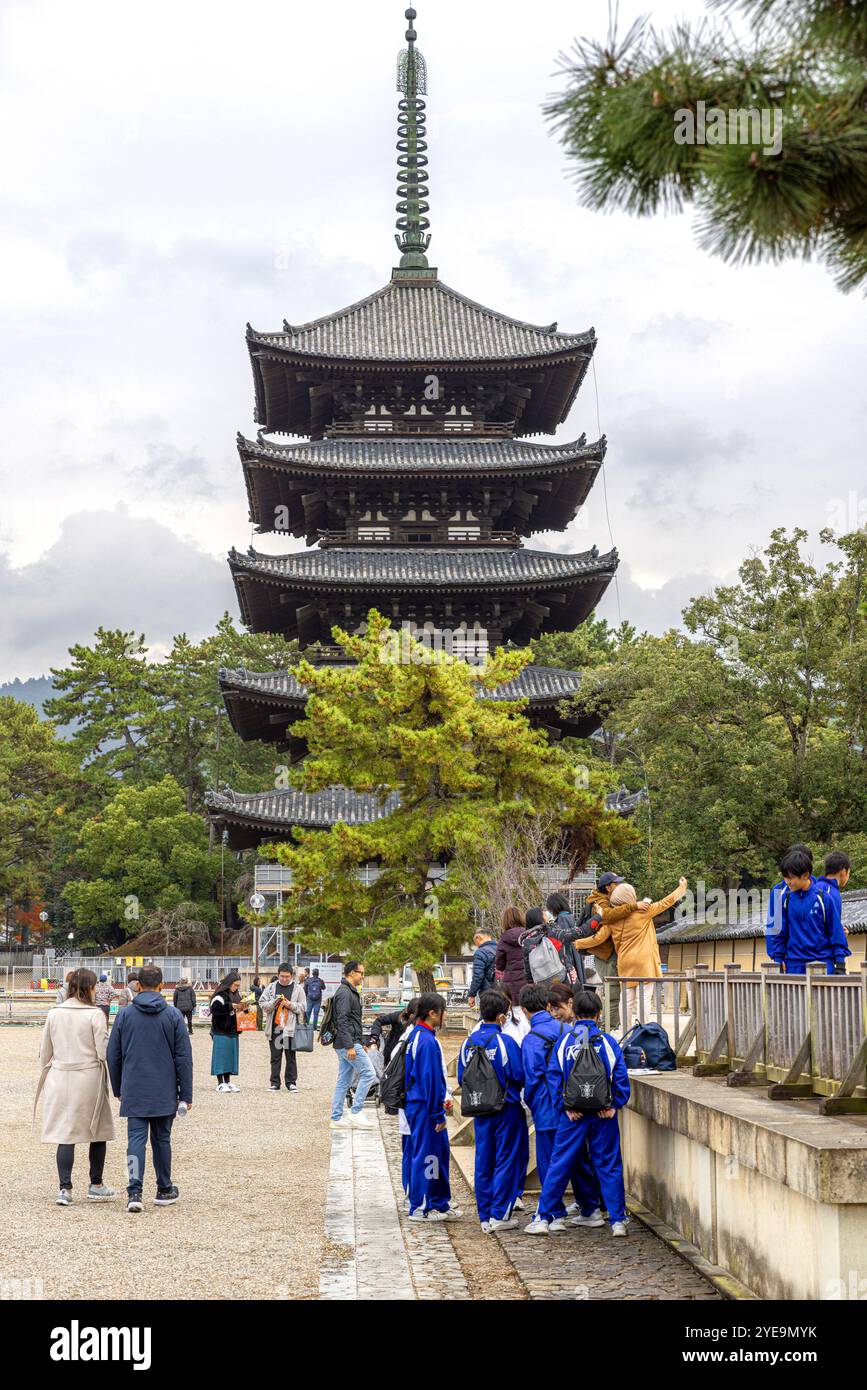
[(604, 879)]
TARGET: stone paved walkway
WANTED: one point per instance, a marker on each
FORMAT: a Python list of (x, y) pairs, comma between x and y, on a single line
[(373, 1251)]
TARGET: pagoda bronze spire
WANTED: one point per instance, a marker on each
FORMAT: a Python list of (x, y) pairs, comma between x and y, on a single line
[(413, 237)]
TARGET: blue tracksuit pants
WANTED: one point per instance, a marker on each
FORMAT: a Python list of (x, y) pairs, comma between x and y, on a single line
[(603, 1140), (429, 1187), (405, 1159), (584, 1184), (498, 1144), (799, 967), (522, 1156)]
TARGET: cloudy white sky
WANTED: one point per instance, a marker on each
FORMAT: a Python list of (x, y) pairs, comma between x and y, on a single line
[(172, 170)]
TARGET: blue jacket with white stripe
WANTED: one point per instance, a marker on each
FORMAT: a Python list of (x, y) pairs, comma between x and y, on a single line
[(536, 1049), (425, 1078)]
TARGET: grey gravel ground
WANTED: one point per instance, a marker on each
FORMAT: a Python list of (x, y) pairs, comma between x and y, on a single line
[(252, 1169)]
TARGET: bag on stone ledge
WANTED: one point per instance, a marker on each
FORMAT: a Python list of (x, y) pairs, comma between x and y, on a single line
[(651, 1041)]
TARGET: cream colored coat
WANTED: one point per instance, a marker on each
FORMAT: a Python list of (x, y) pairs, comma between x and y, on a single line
[(635, 939), (76, 1105)]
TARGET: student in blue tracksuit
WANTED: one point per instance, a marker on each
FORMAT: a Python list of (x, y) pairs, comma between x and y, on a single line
[(498, 1136), (426, 1102), (598, 1129), (836, 876), (536, 1048), (805, 921), (402, 1124)]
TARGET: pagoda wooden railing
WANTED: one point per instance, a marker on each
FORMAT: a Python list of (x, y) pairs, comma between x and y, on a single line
[(405, 426), (507, 539)]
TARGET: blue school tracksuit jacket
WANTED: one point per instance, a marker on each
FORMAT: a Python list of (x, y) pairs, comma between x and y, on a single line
[(601, 1136), (806, 925), (536, 1050), (498, 1137), (429, 1187)]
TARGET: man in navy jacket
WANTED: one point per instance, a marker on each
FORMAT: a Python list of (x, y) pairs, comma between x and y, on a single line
[(598, 1129), (150, 1062)]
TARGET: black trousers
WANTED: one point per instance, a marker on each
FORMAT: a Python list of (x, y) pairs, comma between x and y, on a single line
[(66, 1158), (291, 1063), (189, 1018)]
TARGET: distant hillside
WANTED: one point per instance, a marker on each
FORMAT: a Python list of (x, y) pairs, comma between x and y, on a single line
[(34, 691)]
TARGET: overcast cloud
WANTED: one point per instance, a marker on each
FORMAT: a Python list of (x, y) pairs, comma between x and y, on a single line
[(173, 170)]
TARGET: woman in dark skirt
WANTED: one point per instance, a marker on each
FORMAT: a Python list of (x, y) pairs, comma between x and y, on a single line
[(225, 1003)]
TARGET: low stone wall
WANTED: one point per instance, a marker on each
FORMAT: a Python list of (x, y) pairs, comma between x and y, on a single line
[(771, 1191)]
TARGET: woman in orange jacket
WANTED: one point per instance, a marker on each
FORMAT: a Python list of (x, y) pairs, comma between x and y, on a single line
[(634, 938)]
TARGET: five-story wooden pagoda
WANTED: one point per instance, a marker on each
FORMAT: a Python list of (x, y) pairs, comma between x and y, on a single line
[(414, 483)]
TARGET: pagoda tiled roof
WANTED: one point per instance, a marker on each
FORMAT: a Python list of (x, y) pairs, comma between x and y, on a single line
[(535, 683), (458, 455), (276, 812), (430, 322), (370, 566)]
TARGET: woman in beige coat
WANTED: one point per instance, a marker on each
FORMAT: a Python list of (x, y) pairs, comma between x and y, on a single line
[(635, 942), (76, 1102)]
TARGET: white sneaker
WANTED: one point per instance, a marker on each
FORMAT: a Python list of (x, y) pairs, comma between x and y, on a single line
[(486, 1227), (500, 1224), (275, 1090), (518, 1204), (573, 1209), (557, 1225), (406, 1205), (451, 1214), (537, 1227), (619, 1228), (293, 1087), (360, 1121), (230, 1087), (594, 1219), (418, 1215), (64, 1197), (223, 1088), (343, 1123)]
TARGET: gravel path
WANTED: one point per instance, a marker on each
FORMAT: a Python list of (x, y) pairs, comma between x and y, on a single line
[(252, 1169)]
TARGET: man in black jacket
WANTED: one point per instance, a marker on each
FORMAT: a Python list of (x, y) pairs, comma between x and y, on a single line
[(355, 1065)]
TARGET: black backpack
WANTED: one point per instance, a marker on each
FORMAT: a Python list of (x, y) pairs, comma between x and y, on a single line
[(587, 1088), (392, 1085), (482, 1092)]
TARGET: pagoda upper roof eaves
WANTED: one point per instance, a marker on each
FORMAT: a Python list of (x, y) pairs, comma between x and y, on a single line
[(421, 322), (423, 566), (457, 455)]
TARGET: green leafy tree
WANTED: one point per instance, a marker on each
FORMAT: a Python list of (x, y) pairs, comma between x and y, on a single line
[(37, 775), (802, 196), (402, 722), (592, 644), (107, 698), (747, 729), (143, 853)]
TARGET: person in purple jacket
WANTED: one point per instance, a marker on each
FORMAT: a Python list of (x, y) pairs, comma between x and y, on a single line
[(427, 1101)]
